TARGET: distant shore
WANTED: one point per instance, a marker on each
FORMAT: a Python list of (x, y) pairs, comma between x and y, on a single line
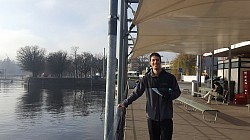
[(78, 83)]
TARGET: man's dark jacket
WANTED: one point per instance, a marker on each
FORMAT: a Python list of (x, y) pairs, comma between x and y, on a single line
[(157, 107)]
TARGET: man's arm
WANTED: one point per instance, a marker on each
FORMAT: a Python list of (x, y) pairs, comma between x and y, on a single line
[(176, 92), (137, 92)]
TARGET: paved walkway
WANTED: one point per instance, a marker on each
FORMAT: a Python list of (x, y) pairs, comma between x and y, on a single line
[(233, 122)]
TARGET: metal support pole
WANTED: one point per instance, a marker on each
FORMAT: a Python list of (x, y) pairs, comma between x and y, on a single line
[(199, 70), (125, 54), (121, 48), (200, 73), (229, 75), (110, 79), (212, 69)]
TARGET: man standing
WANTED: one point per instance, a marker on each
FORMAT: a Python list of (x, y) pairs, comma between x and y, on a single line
[(161, 88)]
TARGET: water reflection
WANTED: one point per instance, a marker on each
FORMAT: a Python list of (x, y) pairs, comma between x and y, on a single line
[(53, 114), (86, 102), (55, 101)]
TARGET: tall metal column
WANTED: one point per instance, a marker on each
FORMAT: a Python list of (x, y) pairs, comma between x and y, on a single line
[(110, 79), (198, 63), (120, 76), (229, 75), (125, 49), (212, 69)]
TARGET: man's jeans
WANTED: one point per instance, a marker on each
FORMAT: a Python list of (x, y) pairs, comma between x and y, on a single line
[(160, 130)]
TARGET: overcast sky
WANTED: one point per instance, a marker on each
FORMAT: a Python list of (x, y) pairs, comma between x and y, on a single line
[(54, 25)]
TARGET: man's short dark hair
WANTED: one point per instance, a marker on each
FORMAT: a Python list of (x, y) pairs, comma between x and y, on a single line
[(155, 54)]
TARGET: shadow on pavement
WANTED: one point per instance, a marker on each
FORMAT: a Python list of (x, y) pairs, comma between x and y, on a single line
[(233, 120)]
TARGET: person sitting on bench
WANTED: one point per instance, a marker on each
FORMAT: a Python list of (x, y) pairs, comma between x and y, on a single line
[(217, 91)]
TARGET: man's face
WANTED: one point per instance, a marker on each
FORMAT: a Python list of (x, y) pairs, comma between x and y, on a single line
[(155, 62)]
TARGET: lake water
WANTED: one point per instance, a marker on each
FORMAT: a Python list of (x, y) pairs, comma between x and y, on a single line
[(45, 114)]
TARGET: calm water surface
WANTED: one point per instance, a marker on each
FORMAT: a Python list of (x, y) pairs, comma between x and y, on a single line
[(43, 114)]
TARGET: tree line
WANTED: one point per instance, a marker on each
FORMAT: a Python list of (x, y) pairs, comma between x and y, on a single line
[(9, 67), (186, 62), (60, 64), (84, 64)]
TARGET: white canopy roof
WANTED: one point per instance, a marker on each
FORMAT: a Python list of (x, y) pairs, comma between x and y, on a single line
[(190, 26)]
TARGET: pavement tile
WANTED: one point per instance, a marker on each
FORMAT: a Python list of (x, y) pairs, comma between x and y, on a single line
[(233, 121)]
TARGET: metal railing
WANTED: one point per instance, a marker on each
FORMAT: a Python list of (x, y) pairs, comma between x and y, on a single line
[(119, 121)]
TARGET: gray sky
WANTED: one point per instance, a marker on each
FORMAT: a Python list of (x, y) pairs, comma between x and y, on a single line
[(54, 25)]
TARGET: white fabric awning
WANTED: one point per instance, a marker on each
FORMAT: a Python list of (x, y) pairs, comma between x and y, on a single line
[(190, 26)]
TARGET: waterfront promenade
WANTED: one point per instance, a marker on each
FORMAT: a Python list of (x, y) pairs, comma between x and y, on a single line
[(233, 122)]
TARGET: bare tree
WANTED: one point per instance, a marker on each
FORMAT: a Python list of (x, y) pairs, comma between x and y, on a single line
[(143, 62), (74, 49), (98, 63), (85, 63), (10, 66), (32, 59), (58, 63)]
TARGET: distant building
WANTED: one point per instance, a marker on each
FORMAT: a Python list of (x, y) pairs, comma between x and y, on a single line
[(137, 65), (166, 65), (206, 66), (133, 65)]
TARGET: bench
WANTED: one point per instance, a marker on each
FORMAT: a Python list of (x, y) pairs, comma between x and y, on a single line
[(197, 94), (204, 90), (201, 91), (198, 106), (185, 91), (222, 97)]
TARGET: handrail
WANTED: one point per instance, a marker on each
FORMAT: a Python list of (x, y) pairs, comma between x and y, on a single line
[(120, 120)]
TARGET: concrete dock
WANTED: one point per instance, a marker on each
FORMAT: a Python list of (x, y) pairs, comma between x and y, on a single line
[(233, 122)]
